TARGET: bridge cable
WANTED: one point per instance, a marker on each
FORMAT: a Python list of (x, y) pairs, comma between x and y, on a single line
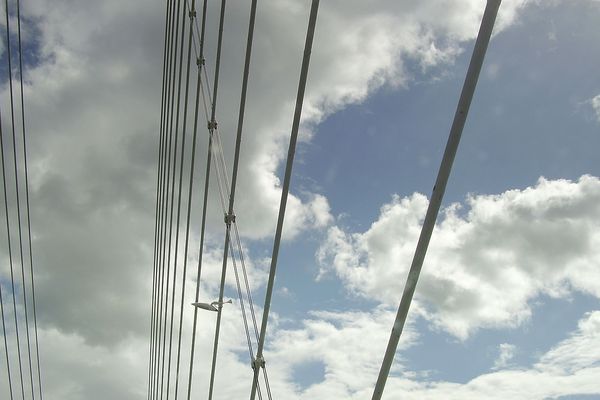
[(260, 362)]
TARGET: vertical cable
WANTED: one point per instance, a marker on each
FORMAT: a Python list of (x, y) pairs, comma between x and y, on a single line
[(28, 209), (165, 195), (285, 190), (158, 205), (192, 16), (212, 127), (5, 341), (1, 298), (205, 199), (460, 117), (6, 203), (176, 247)]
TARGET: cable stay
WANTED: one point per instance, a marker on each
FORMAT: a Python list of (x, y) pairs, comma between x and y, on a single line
[(460, 117), (259, 362), (22, 217)]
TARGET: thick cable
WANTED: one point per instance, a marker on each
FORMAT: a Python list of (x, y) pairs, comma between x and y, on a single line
[(285, 189), (460, 117)]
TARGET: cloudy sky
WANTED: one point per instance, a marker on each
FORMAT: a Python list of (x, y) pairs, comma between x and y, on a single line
[(508, 301)]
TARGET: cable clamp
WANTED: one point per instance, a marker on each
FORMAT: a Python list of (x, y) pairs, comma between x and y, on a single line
[(258, 362), (199, 61), (192, 14), (212, 125), (229, 218)]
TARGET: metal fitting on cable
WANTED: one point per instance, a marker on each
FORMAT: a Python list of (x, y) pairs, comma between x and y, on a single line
[(229, 218), (192, 14), (199, 61), (212, 125), (258, 362)]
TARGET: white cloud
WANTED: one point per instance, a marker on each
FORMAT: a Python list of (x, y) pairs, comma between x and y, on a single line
[(506, 352), (596, 106), (92, 109), (484, 263)]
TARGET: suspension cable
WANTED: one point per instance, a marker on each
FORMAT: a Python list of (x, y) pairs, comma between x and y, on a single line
[(155, 280), (9, 56), (212, 125), (260, 362), (27, 203), (460, 117)]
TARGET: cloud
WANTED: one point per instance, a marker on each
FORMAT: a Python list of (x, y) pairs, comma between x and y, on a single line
[(595, 102), (506, 352), (486, 262), (92, 101)]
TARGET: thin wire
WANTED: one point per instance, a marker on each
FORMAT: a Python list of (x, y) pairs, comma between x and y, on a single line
[(18, 207), (1, 297), (205, 199), (26, 172), (165, 270), (212, 127), (175, 258), (5, 342), (164, 199), (158, 206), (184, 126), (172, 201)]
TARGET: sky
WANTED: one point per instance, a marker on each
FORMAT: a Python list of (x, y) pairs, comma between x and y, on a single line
[(507, 306)]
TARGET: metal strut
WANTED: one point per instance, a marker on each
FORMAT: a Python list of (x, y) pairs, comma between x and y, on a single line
[(483, 38)]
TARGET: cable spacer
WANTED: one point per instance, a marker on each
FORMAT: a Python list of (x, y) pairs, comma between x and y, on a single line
[(229, 218), (192, 14), (212, 125), (258, 362), (199, 61)]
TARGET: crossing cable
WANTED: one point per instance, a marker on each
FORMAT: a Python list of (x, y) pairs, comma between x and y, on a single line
[(18, 206), (260, 362), (28, 209), (212, 125), (223, 185), (172, 151), (460, 117), (4, 336), (200, 58), (166, 182), (163, 199), (158, 206), (180, 186)]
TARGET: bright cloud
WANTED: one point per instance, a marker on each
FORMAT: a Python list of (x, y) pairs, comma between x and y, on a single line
[(596, 106), (486, 262)]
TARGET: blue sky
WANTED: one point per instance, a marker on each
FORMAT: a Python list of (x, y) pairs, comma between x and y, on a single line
[(508, 303)]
